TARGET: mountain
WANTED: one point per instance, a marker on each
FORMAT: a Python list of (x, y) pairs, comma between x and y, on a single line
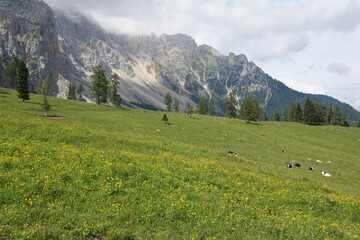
[(68, 45)]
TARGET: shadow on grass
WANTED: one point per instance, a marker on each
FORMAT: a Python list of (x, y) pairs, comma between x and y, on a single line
[(1, 92)]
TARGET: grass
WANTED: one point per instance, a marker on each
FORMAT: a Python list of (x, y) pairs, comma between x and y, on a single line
[(106, 173)]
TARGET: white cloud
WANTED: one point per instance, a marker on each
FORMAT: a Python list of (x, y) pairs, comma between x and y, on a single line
[(339, 68), (357, 104), (303, 87), (274, 28)]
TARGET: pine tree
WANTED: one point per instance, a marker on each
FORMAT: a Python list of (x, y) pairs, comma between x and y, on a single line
[(45, 90), (231, 105), (320, 114), (22, 81), (285, 114), (250, 110), (168, 101), (80, 90), (330, 116), (337, 116), (115, 98), (71, 93), (99, 88), (212, 111), (176, 106), (298, 113), (358, 122), (292, 113), (165, 118), (309, 115), (275, 116), (10, 70), (189, 108), (201, 108)]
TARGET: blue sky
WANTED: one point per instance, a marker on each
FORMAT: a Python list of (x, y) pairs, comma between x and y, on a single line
[(311, 45)]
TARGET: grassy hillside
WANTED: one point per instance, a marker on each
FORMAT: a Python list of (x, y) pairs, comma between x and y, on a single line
[(105, 173)]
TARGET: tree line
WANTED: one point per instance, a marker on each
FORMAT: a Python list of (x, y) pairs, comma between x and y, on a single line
[(314, 114), (311, 113), (202, 107)]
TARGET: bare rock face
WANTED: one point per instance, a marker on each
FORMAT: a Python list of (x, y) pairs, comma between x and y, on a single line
[(28, 29)]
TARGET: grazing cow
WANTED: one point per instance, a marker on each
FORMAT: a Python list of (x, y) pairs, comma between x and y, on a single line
[(325, 174), (297, 165), (283, 151), (289, 165), (230, 152), (319, 161), (311, 168)]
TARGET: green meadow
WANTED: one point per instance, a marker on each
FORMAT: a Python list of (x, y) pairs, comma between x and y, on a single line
[(98, 172)]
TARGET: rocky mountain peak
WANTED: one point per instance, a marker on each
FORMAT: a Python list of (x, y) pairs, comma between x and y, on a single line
[(237, 59), (31, 10)]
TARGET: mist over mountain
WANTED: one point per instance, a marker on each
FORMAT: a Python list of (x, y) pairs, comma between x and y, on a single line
[(69, 45)]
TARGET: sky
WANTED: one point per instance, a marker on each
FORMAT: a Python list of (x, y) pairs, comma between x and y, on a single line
[(312, 46)]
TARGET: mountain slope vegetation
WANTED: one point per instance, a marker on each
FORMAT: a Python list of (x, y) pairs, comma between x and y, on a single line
[(104, 173)]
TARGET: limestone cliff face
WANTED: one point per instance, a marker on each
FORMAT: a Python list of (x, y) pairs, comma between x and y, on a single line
[(68, 46), (28, 29)]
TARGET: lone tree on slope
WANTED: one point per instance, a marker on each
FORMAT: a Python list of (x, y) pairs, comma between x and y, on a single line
[(99, 88), (168, 101), (22, 81), (212, 111), (231, 105), (201, 108), (250, 110), (115, 98), (176, 106)]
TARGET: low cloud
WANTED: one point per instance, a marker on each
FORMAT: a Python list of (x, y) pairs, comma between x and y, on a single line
[(263, 29), (357, 105), (304, 87), (339, 68)]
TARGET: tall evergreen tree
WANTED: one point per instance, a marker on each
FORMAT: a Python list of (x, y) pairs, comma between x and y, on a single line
[(212, 111), (320, 114), (330, 116), (45, 90), (275, 116), (99, 88), (298, 114), (292, 113), (189, 108), (115, 98), (250, 110), (285, 114), (358, 122), (10, 70), (231, 105), (80, 89), (168, 101), (23, 81), (176, 106), (337, 116), (71, 93), (309, 115), (201, 108)]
